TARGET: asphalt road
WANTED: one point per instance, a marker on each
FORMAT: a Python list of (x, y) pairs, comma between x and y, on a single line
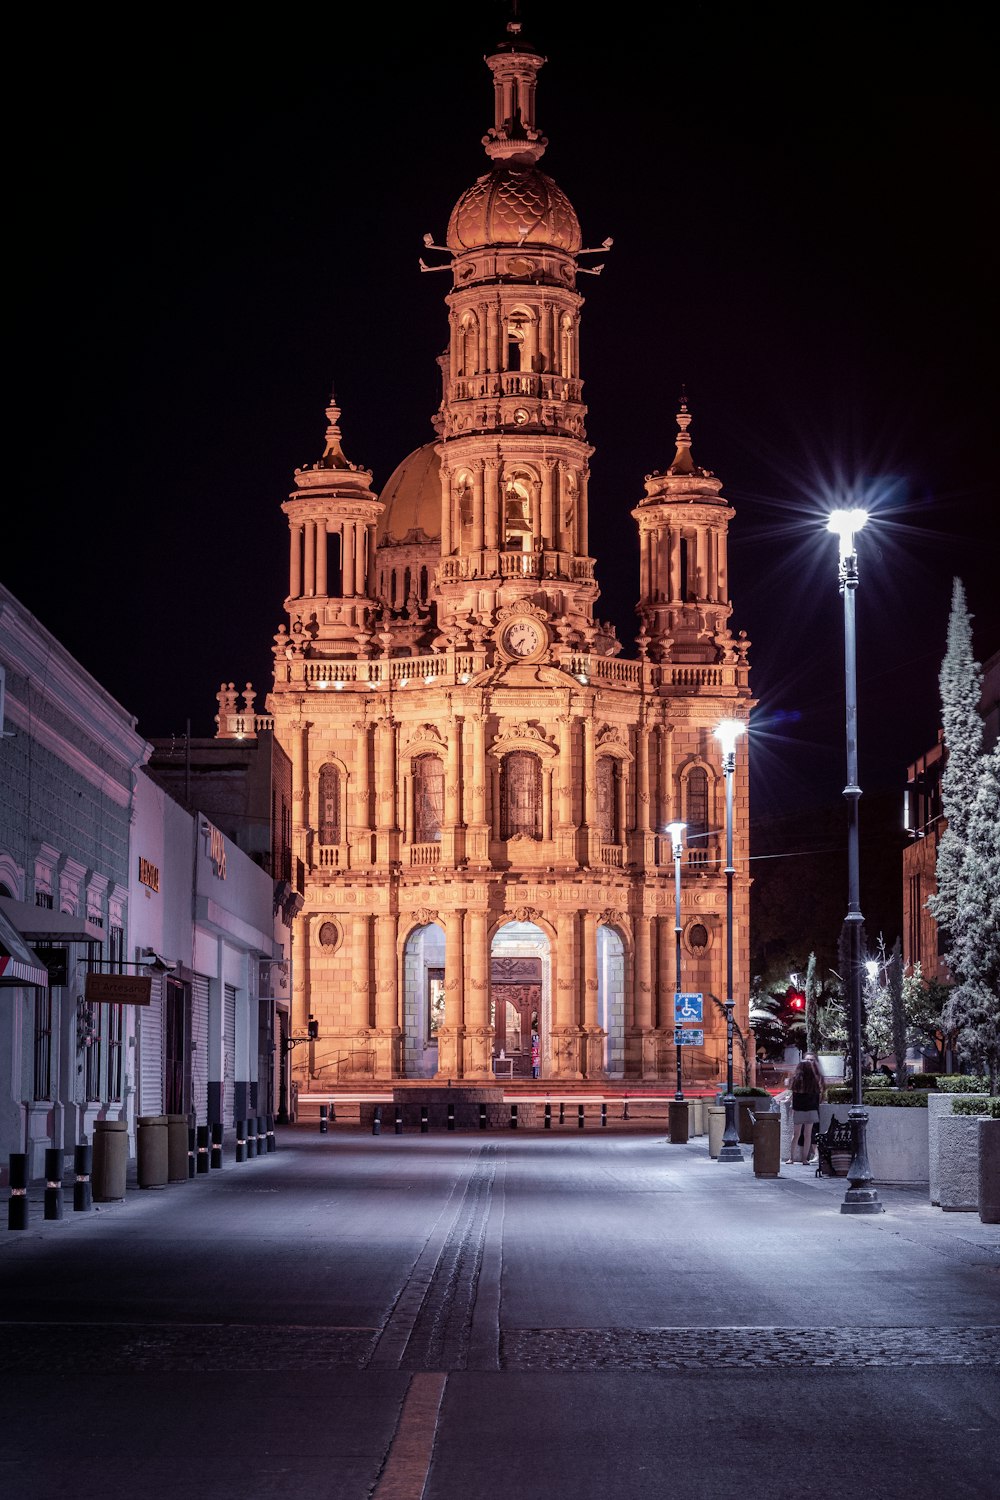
[(535, 1316)]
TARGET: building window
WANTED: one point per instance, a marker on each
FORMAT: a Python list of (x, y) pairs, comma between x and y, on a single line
[(435, 1003), (607, 799), (428, 799), (329, 805), (521, 796), (43, 1044), (696, 815)]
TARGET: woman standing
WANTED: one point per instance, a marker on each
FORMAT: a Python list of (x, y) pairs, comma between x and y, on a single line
[(807, 1094)]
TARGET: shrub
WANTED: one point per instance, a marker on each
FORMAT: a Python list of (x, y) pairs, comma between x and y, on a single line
[(985, 1106), (751, 1093), (922, 1081), (963, 1083), (879, 1098)]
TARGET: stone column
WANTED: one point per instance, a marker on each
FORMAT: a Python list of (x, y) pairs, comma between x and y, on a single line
[(309, 532), (387, 1007), (321, 558), (478, 1031), (295, 561), (450, 1035), (566, 1011), (593, 1032), (548, 529), (387, 834), (565, 825), (360, 835), (477, 846), (362, 999), (593, 832)]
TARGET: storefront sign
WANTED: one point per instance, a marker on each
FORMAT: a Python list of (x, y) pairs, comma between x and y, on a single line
[(118, 989), (149, 875)]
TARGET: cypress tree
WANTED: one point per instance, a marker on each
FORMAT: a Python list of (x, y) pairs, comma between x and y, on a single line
[(960, 681), (974, 956), (812, 1006)]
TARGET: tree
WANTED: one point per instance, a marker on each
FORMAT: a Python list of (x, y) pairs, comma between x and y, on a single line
[(974, 954), (897, 1006), (960, 681), (812, 996)]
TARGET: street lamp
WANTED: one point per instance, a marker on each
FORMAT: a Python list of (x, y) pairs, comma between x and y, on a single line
[(676, 832), (727, 733), (861, 1197)]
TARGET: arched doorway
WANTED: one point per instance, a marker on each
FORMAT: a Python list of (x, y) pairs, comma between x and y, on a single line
[(520, 998), (611, 998), (423, 1000)]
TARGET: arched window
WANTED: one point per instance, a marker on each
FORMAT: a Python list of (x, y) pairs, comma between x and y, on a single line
[(428, 799), (329, 805), (696, 815), (470, 345), (514, 343), (607, 799), (520, 795)]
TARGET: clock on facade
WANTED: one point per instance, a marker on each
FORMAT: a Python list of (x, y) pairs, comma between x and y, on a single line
[(523, 638)]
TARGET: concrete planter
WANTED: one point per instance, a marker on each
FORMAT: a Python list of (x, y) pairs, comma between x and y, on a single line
[(897, 1140), (989, 1171), (716, 1129), (938, 1109), (958, 1163), (831, 1065)]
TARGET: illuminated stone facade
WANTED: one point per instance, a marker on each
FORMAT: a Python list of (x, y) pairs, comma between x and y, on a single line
[(481, 781)]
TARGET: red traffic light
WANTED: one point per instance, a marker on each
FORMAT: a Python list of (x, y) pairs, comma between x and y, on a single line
[(795, 999)]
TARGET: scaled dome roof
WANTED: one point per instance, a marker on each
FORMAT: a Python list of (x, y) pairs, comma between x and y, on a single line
[(412, 498), (514, 205)]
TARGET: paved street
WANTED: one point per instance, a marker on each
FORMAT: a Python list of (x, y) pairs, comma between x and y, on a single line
[(597, 1315)]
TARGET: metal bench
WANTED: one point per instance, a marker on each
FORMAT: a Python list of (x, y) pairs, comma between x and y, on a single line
[(836, 1140)]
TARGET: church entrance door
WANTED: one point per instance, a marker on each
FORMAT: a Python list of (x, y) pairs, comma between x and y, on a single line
[(516, 1002)]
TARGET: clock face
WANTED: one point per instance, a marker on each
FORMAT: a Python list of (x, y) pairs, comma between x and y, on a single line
[(523, 638)]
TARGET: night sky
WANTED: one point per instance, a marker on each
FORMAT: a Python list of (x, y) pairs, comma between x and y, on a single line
[(216, 228)]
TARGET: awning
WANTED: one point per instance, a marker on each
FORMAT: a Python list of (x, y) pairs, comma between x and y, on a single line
[(39, 924), (18, 964)]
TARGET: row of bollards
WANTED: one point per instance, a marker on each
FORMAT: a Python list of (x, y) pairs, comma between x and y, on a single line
[(168, 1149), (483, 1117)]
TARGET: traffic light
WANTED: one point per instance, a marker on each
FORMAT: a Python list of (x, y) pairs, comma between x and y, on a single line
[(313, 1029), (793, 1007)]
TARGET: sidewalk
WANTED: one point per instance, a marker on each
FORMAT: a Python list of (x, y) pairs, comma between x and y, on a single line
[(907, 1208)]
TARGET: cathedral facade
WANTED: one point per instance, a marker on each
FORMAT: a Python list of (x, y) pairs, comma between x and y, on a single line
[(481, 779)]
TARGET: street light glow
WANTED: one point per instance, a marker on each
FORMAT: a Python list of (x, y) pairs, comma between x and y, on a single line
[(845, 525), (676, 832), (727, 732)]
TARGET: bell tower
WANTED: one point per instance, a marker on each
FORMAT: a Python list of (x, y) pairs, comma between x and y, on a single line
[(683, 521), (513, 450)]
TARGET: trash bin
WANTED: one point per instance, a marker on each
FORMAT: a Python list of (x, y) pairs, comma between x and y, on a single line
[(766, 1142), (678, 1113), (151, 1151), (110, 1160), (716, 1129), (177, 1148)]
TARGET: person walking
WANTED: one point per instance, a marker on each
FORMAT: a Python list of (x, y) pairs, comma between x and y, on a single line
[(807, 1094), (536, 1054)]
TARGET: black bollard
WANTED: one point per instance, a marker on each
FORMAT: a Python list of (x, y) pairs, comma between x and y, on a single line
[(562, 1111), (548, 1117), (377, 1120), (398, 1123), (579, 1115), (272, 1144), (625, 1111), (424, 1123), (251, 1138), (241, 1140), (83, 1193), (202, 1151), (482, 1117), (513, 1117), (333, 1111), (604, 1113), (261, 1136), (17, 1208), (215, 1155), (323, 1113), (53, 1182), (192, 1158), (451, 1117)]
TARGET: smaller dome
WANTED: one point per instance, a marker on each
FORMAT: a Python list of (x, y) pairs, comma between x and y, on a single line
[(514, 205), (412, 499)]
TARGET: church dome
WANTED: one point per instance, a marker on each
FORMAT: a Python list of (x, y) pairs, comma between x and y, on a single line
[(514, 205), (412, 499)]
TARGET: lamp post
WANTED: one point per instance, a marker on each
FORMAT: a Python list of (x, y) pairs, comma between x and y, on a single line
[(861, 1197), (727, 733), (676, 832)]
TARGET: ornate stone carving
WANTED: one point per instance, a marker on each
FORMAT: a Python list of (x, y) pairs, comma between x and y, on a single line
[(423, 916)]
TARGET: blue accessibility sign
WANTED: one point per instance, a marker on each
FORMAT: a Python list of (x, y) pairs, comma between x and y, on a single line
[(687, 1007)]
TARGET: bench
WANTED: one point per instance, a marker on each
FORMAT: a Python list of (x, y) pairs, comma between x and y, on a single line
[(836, 1141)]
